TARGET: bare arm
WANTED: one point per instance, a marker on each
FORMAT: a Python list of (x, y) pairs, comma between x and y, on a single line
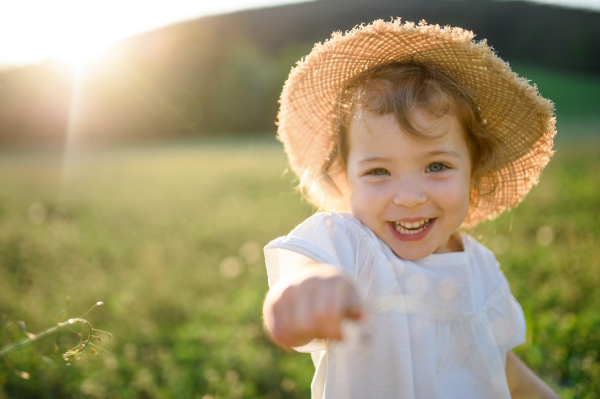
[(312, 304), (524, 383)]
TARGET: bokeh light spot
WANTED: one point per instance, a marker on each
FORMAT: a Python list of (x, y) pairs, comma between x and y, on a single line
[(181, 108), (586, 363), (232, 376), (250, 251), (288, 385), (447, 289), (231, 267), (37, 213), (92, 387), (544, 236), (556, 352), (22, 374), (111, 363), (210, 375), (500, 244)]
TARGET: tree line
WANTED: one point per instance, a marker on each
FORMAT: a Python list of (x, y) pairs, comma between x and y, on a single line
[(223, 74)]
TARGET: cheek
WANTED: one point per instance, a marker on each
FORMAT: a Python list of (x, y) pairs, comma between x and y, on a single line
[(365, 200), (453, 197)]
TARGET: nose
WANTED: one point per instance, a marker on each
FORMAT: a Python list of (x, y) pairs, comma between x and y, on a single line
[(409, 193)]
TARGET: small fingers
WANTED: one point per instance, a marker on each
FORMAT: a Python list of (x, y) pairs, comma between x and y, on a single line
[(347, 300), (337, 302), (314, 308), (353, 309)]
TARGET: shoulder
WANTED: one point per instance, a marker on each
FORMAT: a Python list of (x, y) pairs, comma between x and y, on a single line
[(485, 267), (329, 220), (338, 226), (337, 239), (478, 252)]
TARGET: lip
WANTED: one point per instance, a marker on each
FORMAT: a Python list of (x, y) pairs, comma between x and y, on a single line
[(412, 237)]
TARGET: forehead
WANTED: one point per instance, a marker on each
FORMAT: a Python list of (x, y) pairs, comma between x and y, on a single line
[(383, 132)]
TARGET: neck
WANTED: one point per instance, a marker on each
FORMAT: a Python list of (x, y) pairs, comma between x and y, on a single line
[(455, 243)]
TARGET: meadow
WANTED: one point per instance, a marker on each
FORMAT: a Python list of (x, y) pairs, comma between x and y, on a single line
[(169, 236)]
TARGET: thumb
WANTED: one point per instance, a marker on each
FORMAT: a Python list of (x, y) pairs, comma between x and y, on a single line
[(355, 313), (354, 309)]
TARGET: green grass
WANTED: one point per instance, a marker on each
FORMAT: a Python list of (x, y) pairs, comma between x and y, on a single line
[(145, 229)]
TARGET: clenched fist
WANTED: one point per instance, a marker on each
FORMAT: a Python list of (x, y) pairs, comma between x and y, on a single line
[(311, 305)]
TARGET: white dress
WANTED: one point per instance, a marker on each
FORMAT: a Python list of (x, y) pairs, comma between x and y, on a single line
[(437, 327)]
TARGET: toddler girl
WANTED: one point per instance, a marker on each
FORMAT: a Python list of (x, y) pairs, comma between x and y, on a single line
[(404, 133)]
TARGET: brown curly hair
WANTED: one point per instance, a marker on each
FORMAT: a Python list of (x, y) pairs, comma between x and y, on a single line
[(400, 88)]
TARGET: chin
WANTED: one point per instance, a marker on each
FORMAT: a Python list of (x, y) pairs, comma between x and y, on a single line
[(410, 251), (412, 254)]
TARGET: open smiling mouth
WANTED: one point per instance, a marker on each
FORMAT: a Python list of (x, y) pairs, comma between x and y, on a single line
[(411, 228)]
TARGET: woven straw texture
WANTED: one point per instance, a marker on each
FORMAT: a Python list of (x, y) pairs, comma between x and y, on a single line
[(511, 107)]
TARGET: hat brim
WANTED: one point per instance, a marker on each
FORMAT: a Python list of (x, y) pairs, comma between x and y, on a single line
[(511, 108)]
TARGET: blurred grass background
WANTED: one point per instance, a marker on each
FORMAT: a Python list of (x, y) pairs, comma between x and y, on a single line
[(165, 222), (170, 237)]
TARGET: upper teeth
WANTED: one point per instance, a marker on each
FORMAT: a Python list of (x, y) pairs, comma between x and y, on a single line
[(419, 225), (412, 225)]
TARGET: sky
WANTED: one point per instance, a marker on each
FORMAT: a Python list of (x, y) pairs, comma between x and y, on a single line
[(77, 30), (74, 30)]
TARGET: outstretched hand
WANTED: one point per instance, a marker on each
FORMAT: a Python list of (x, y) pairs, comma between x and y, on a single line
[(311, 305)]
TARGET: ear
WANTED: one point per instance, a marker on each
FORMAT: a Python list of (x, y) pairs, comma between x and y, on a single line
[(341, 182)]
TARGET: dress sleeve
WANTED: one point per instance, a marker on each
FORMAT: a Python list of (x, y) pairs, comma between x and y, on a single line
[(505, 313), (516, 326), (325, 238)]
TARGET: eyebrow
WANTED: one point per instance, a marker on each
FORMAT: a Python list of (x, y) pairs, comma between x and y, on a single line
[(442, 152), (429, 154), (374, 159)]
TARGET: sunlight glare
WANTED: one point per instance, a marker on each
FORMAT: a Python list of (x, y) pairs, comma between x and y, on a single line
[(80, 56), (75, 31)]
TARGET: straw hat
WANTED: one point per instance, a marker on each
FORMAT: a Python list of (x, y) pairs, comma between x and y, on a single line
[(511, 107)]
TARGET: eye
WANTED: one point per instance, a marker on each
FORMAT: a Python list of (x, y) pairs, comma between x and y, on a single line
[(378, 172), (436, 167)]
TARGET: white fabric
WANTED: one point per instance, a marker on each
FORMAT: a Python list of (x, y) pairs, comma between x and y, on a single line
[(437, 327)]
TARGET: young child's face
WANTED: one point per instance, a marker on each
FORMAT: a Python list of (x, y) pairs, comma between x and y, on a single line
[(412, 193)]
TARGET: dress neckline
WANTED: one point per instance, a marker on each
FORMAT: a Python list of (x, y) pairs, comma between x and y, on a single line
[(434, 260)]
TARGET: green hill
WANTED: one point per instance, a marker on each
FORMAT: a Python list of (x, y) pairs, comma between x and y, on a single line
[(223, 74)]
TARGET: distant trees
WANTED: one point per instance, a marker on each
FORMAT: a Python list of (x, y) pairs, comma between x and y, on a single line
[(223, 74)]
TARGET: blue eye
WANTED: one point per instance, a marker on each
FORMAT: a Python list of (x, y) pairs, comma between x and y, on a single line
[(378, 172), (436, 167)]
